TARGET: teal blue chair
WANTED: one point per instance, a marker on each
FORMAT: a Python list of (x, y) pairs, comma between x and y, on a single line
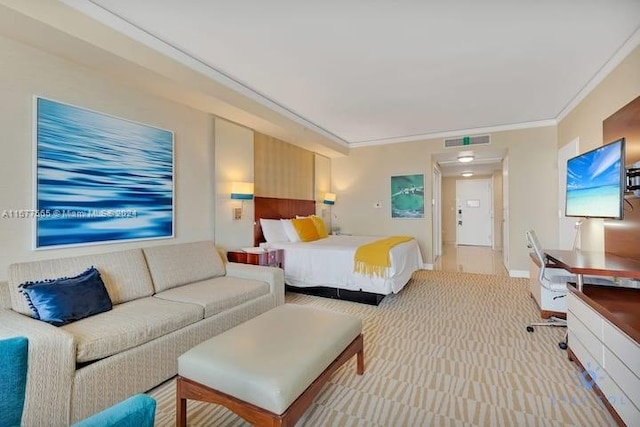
[(13, 371), (136, 411)]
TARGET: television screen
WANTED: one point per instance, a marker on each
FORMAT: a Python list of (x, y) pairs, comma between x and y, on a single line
[(596, 182)]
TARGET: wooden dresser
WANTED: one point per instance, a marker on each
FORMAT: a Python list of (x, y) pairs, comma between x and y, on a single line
[(604, 339)]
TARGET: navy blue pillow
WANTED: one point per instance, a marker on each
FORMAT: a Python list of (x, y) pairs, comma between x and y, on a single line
[(61, 301)]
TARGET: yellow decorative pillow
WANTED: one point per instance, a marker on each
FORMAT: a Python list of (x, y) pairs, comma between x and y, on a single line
[(306, 229), (320, 226)]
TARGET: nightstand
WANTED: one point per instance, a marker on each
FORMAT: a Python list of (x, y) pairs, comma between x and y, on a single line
[(271, 257)]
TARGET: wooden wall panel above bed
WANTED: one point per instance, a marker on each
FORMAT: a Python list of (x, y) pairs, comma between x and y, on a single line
[(274, 208), (282, 169)]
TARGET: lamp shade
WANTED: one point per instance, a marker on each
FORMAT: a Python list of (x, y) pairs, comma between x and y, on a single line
[(242, 190), (329, 199)]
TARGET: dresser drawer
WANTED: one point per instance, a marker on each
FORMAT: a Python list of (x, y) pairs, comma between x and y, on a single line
[(589, 317), (623, 346), (620, 401), (585, 358), (579, 331), (624, 378)]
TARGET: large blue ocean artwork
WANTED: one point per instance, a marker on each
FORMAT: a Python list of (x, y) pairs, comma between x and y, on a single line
[(100, 179)]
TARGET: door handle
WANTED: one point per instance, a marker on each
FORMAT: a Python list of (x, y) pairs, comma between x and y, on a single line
[(459, 222)]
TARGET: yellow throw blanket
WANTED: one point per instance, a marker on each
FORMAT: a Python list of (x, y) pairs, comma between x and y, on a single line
[(373, 258)]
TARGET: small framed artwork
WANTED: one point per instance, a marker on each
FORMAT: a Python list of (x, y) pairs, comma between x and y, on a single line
[(99, 178), (407, 196)]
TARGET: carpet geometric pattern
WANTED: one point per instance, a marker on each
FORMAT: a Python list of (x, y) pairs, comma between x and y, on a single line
[(450, 349)]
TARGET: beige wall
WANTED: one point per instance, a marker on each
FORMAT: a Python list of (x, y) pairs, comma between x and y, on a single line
[(362, 178), (26, 72), (620, 87), (282, 170), (449, 210), (322, 184), (233, 162), (497, 209)]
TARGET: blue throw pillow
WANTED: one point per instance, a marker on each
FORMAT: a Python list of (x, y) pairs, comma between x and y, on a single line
[(61, 301)]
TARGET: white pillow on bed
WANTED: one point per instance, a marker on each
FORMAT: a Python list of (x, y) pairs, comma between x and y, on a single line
[(290, 230), (273, 230)]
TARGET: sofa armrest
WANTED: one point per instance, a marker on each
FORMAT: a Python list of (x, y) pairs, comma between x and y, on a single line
[(5, 297), (51, 368), (273, 276)]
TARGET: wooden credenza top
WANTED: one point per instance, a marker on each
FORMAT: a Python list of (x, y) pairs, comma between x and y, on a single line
[(620, 306), (594, 262)]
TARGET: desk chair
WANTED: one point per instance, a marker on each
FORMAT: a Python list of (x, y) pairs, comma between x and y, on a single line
[(556, 284), (138, 410)]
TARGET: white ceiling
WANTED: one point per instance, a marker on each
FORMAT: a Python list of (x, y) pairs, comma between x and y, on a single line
[(380, 71)]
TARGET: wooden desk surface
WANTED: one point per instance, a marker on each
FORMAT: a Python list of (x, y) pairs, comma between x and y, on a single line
[(594, 262), (620, 306)]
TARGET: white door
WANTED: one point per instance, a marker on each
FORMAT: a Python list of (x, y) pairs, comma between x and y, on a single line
[(566, 226), (505, 212), (437, 213), (473, 204)]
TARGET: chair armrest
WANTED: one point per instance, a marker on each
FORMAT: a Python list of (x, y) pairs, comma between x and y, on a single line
[(138, 410), (51, 368), (272, 275)]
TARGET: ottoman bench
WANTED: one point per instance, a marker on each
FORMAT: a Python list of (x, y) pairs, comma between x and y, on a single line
[(269, 369)]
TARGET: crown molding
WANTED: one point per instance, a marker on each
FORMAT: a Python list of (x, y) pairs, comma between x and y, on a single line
[(454, 133), (624, 51), (148, 39)]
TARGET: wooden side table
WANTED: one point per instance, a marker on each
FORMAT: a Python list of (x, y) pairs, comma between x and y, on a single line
[(271, 257)]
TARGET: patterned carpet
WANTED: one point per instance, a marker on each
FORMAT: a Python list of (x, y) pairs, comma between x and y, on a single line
[(450, 350)]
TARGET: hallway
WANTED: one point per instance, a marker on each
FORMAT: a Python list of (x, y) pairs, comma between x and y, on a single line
[(471, 259)]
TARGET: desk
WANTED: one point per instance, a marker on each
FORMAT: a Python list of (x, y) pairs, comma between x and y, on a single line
[(593, 262)]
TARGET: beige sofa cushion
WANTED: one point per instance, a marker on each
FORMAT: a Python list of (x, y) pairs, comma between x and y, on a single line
[(124, 273), (129, 325), (218, 294), (177, 265)]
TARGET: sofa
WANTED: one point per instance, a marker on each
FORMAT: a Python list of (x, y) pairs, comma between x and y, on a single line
[(166, 299)]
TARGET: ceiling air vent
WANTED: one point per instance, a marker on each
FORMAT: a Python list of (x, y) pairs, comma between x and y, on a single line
[(464, 141)]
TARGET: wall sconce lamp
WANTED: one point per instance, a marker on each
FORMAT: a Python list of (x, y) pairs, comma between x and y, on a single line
[(329, 199), (241, 191)]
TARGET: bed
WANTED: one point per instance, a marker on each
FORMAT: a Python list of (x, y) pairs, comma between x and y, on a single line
[(325, 267)]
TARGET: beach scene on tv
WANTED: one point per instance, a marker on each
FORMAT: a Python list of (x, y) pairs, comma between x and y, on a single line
[(594, 183)]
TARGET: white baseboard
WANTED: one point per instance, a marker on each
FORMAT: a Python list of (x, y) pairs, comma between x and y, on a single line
[(519, 273), (427, 266)]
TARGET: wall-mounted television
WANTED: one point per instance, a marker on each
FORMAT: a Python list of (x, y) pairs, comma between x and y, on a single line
[(596, 181)]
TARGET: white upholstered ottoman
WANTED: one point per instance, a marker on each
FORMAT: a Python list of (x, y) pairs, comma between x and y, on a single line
[(269, 369)]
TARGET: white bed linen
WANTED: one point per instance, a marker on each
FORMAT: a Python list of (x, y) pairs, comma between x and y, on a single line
[(329, 262)]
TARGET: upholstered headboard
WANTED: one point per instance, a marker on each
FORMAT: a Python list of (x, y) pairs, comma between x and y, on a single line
[(273, 208)]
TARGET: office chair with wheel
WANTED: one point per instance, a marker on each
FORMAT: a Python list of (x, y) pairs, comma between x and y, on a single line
[(556, 284)]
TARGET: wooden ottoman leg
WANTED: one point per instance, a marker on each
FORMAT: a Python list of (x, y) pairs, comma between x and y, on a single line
[(360, 356), (181, 405)]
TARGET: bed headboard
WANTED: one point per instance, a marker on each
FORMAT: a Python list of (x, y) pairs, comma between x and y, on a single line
[(273, 208)]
